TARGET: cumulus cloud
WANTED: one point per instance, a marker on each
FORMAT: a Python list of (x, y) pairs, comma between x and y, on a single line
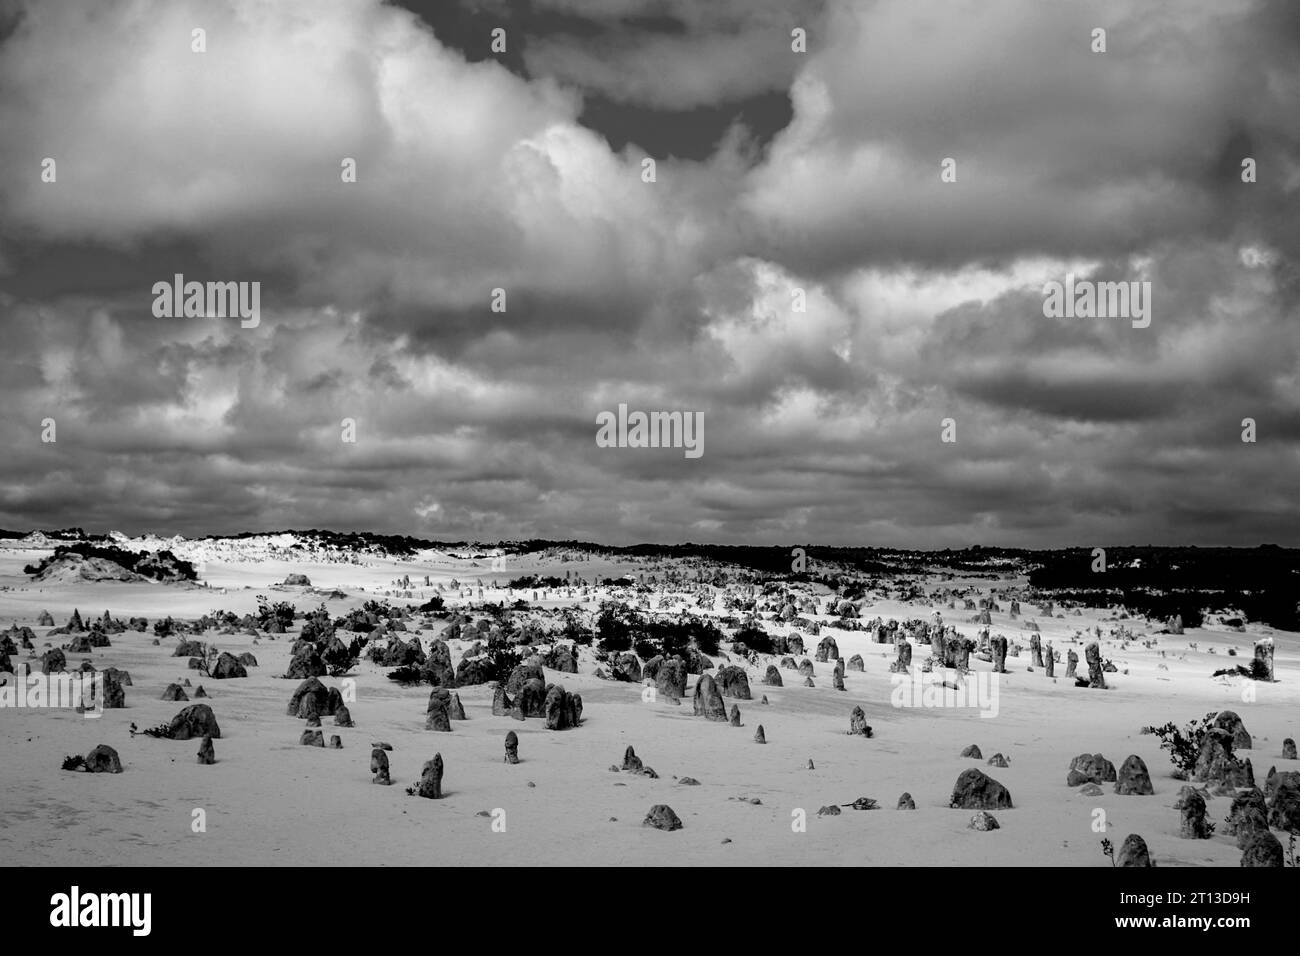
[(921, 300)]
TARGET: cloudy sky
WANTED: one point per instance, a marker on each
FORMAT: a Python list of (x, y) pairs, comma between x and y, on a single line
[(775, 170)]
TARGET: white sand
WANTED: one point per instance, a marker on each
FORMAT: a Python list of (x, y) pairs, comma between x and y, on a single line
[(270, 801)]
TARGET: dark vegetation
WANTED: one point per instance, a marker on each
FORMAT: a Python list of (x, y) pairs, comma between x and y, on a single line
[(1184, 744), (162, 566), (282, 613), (754, 638), (1262, 582), (533, 581), (622, 628)]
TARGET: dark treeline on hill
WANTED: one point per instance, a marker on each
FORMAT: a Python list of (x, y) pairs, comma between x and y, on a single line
[(1263, 583), (402, 545), (160, 566), (1160, 581), (397, 544), (66, 534), (770, 559)]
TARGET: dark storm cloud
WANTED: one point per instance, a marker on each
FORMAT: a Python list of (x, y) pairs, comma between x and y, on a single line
[(672, 78), (781, 176)]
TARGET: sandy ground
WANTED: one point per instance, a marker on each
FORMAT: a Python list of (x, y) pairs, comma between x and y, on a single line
[(269, 801)]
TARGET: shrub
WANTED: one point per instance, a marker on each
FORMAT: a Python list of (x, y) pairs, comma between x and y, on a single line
[(282, 612), (1184, 745), (676, 636), (754, 638), (616, 626), (317, 626), (853, 591), (575, 631), (502, 659), (339, 660), (533, 581), (380, 609), (165, 628)]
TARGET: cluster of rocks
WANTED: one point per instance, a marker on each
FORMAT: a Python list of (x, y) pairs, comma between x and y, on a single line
[(444, 706), (313, 700), (1090, 768), (525, 694), (229, 666), (903, 661), (633, 764)]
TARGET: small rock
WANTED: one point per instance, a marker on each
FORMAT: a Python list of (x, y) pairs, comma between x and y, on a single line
[(662, 817), (858, 723), (103, 759), (379, 764)]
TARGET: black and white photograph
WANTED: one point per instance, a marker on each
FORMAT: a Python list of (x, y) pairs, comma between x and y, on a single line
[(650, 434)]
